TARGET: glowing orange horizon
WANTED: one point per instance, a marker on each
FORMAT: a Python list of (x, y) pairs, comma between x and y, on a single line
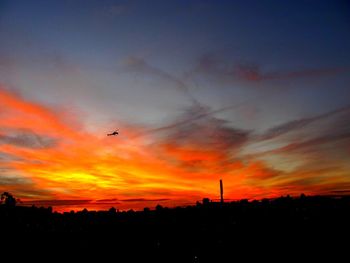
[(83, 165)]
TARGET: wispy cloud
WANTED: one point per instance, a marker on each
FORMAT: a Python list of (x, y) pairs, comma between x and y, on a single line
[(255, 73), (298, 124), (141, 66), (309, 145), (53, 202), (144, 200), (315, 142), (12, 180), (202, 143), (198, 111), (250, 72), (27, 139)]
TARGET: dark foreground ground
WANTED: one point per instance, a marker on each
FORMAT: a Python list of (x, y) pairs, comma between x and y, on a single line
[(286, 229)]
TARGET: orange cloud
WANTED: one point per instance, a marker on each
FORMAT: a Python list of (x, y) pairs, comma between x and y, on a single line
[(52, 159)]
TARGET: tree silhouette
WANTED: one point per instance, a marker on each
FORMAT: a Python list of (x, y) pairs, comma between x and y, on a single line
[(8, 199)]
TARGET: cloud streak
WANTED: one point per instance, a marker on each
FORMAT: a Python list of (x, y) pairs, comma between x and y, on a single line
[(298, 124), (204, 144), (27, 139), (200, 113), (141, 66), (250, 72), (311, 144)]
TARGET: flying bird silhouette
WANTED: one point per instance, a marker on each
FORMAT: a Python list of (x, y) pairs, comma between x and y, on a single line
[(113, 133)]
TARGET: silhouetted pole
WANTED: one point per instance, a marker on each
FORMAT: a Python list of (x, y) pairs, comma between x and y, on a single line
[(221, 192)]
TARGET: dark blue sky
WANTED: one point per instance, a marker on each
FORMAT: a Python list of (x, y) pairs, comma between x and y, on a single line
[(50, 49)]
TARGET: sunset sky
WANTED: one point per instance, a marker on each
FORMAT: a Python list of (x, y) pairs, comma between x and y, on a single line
[(254, 92)]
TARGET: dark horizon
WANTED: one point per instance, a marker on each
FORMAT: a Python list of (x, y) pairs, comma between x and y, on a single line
[(307, 226), (79, 205)]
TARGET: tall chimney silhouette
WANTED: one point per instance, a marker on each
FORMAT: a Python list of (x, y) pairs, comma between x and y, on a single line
[(221, 192)]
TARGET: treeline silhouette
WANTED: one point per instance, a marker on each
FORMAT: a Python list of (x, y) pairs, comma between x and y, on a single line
[(205, 232)]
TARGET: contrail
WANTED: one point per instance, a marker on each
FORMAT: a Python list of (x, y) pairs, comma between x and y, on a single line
[(180, 123), (140, 65)]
